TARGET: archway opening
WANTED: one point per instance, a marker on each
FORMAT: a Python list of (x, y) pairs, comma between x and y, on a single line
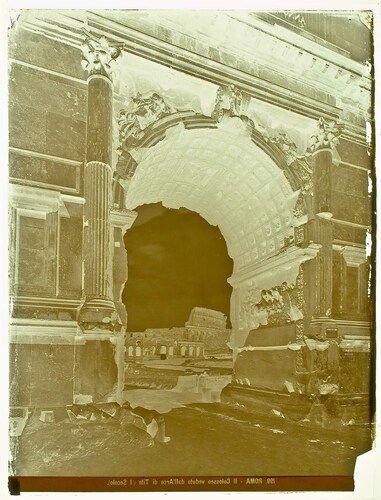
[(176, 261), (233, 184)]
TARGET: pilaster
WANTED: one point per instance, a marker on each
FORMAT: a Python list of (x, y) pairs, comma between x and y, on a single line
[(320, 228)]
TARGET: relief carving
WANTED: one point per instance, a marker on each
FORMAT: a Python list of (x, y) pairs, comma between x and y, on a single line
[(287, 146), (303, 171), (324, 369), (109, 323), (280, 304), (327, 135), (299, 300), (299, 164), (132, 122), (249, 317), (231, 100), (300, 208), (273, 307), (144, 112)]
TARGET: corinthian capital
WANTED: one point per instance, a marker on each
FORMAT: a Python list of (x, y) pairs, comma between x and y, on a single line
[(326, 136), (99, 55)]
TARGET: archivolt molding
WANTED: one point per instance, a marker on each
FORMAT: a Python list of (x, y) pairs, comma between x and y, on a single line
[(226, 167), (146, 119)]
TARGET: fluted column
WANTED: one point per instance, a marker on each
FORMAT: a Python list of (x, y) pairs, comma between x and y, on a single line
[(98, 310), (97, 226)]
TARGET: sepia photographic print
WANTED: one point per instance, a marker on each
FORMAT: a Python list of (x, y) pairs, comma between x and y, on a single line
[(191, 218)]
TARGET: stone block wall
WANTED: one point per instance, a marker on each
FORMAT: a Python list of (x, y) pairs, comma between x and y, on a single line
[(47, 127)]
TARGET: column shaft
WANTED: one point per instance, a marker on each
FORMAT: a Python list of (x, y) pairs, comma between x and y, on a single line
[(98, 178), (320, 231), (98, 310), (99, 120)]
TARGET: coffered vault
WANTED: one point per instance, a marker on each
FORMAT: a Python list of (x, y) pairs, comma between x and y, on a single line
[(221, 174)]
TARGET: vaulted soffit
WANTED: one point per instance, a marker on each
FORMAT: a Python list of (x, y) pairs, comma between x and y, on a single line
[(228, 180)]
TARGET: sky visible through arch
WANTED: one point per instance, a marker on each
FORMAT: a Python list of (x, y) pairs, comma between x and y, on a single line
[(176, 261)]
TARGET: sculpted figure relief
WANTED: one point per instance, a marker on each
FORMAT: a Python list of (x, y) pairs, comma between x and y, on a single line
[(229, 98), (287, 146), (143, 112), (276, 306)]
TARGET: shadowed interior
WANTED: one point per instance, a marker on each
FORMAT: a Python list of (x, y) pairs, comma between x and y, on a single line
[(176, 261)]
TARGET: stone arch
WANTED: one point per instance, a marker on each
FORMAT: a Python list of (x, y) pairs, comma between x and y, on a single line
[(280, 149), (221, 173), (252, 187)]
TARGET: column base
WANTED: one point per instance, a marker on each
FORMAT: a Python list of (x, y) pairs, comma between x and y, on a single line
[(99, 315)]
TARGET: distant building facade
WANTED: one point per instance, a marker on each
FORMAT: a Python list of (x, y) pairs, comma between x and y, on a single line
[(204, 334), (162, 343)]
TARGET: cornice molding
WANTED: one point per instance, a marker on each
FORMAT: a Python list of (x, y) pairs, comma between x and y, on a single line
[(297, 40), (149, 47)]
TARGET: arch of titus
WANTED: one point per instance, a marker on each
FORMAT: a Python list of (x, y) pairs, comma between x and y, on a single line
[(260, 122)]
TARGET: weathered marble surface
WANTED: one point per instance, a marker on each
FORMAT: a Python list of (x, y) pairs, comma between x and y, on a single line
[(26, 46), (41, 374), (95, 369), (46, 114)]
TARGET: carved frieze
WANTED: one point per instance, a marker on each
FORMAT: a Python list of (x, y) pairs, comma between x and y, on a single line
[(280, 304), (327, 135), (99, 55)]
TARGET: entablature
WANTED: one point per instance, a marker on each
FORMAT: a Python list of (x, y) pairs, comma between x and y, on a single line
[(312, 81)]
